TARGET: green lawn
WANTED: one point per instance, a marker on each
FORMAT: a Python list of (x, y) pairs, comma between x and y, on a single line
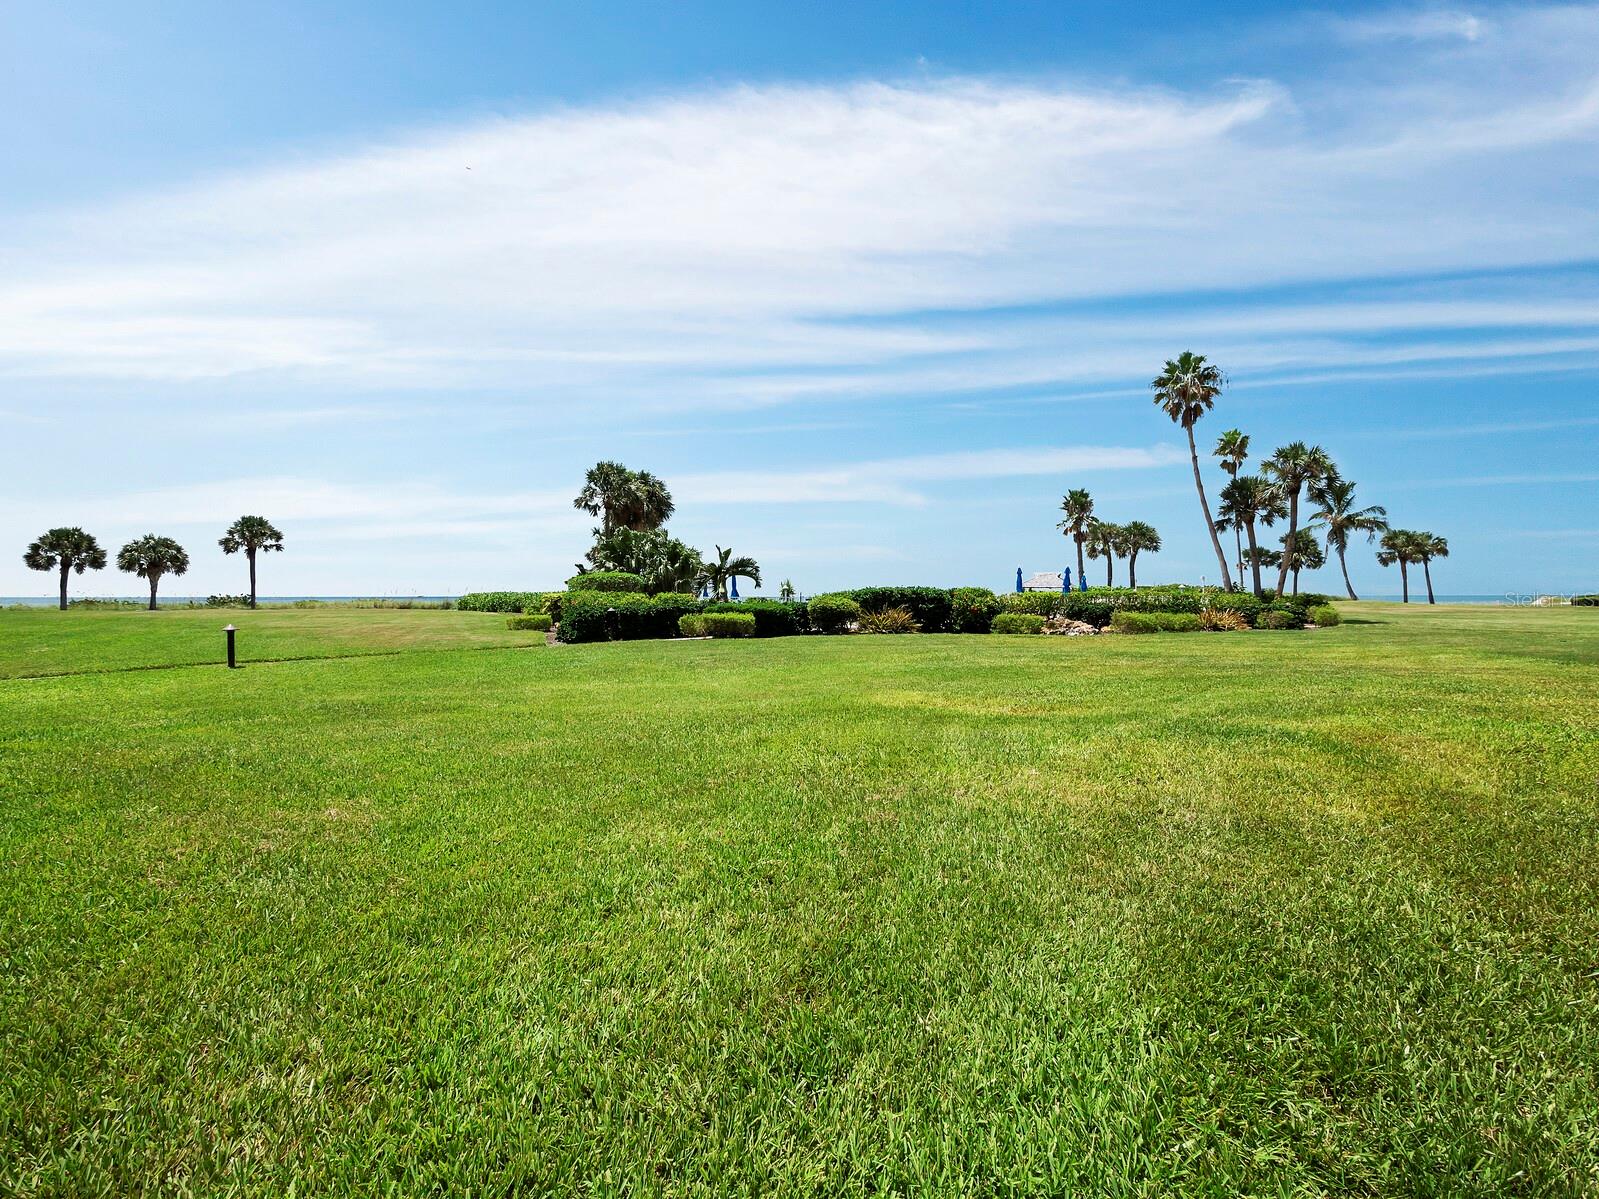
[(1266, 913)]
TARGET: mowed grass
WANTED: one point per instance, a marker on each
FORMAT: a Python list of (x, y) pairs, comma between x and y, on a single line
[(46, 641), (1266, 914)]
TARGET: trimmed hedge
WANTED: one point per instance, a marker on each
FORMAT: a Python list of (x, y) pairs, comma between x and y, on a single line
[(623, 615), (930, 606), (1155, 622), (501, 601), (773, 618), (729, 624), (1586, 601), (691, 624), (1324, 616), (972, 609), (832, 613), (607, 580), (1017, 622), (537, 622)]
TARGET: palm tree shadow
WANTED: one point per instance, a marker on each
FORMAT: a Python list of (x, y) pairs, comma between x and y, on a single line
[(1362, 620)]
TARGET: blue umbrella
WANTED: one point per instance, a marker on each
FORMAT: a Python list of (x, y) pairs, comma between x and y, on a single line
[(1018, 578), (735, 586), (1066, 581), (1082, 583)]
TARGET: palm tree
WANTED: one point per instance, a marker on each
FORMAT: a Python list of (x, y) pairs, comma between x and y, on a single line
[(253, 535), (1245, 502), (1078, 506), (787, 592), (1401, 546), (66, 550), (1291, 468), (1301, 551), (150, 557), (1232, 447), (1101, 538), (1138, 538), (623, 499), (1185, 390), (1336, 512), (1428, 547), (724, 568)]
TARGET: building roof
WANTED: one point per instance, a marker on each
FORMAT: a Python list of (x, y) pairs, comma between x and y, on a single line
[(1043, 580)]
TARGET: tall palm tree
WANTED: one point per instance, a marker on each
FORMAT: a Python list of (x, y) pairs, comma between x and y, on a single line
[(623, 499), (1247, 501), (1078, 506), (1101, 537), (1232, 447), (66, 550), (1138, 537), (1400, 545), (150, 557), (1291, 468), (1337, 514), (1428, 547), (1185, 390), (254, 535), (1301, 551), (724, 568)]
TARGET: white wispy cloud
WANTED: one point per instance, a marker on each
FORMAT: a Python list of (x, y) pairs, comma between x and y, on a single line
[(729, 242)]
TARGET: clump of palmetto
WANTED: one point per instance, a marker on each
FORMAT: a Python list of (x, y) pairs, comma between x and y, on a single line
[(1223, 620), (888, 620)]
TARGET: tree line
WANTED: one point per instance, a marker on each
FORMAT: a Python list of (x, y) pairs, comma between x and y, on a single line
[(1295, 474), (70, 551)]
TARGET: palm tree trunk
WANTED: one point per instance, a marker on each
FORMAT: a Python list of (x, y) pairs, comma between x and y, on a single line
[(64, 568), (1254, 559), (1082, 571), (1238, 542), (1296, 580), (1404, 579), (250, 554), (154, 579), (1293, 527), (1426, 569), (1132, 570), (1204, 504), (1109, 560), (1344, 566)]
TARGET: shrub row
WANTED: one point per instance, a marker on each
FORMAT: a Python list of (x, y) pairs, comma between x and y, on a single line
[(929, 606), (773, 618), (537, 622), (1017, 622), (504, 601), (1586, 601), (1155, 622), (606, 580)]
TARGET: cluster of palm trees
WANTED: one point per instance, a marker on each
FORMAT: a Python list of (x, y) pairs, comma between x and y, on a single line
[(70, 551), (1102, 539), (633, 507), (1186, 390)]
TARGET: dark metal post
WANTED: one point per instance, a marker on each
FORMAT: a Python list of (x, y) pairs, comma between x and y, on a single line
[(610, 624), (232, 660)]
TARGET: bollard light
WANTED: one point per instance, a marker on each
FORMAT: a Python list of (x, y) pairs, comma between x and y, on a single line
[(232, 660), (610, 624)]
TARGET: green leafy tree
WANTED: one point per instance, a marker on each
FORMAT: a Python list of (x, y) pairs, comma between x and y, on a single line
[(1232, 447), (787, 592), (253, 535), (1185, 390), (1401, 546), (724, 568), (1138, 537), (664, 562), (623, 498), (1301, 551), (68, 551), (1292, 468), (150, 557), (1078, 506), (1247, 502), (1337, 514), (1428, 547), (1101, 539)]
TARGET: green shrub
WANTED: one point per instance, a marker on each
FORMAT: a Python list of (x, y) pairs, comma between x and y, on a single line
[(929, 606), (1324, 616), (889, 620), (972, 609), (607, 616), (667, 608), (833, 613), (1281, 615), (535, 622), (1017, 622), (773, 618), (729, 624), (227, 601), (1156, 622), (1033, 603), (502, 601), (1586, 601), (691, 624), (606, 580)]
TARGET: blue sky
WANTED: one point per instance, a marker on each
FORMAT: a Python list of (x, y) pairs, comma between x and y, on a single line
[(869, 285)]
